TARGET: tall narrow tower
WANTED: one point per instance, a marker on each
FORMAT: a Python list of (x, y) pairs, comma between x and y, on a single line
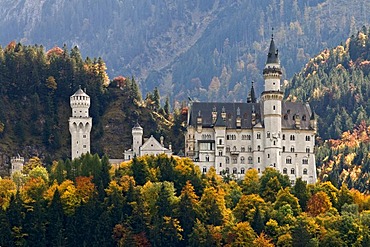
[(80, 123), (137, 139), (272, 98)]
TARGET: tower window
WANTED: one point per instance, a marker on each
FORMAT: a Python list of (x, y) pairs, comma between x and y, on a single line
[(292, 171), (84, 146), (273, 107), (242, 170), (288, 160), (258, 135), (84, 136), (285, 171), (204, 169), (304, 171)]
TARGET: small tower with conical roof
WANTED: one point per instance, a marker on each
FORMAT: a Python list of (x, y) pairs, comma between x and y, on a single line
[(80, 123), (272, 97), (137, 139)]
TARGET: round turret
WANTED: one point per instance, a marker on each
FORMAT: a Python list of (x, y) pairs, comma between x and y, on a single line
[(80, 104)]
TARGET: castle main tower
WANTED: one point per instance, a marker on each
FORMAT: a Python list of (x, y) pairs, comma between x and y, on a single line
[(80, 123), (272, 98), (137, 139)]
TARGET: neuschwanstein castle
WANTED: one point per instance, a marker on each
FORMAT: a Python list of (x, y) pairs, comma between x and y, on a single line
[(231, 137), (234, 137)]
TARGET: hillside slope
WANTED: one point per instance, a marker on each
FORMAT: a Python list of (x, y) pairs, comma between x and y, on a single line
[(180, 46)]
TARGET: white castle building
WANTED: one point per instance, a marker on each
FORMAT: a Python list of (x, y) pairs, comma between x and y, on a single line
[(150, 146), (17, 164), (80, 123), (234, 137)]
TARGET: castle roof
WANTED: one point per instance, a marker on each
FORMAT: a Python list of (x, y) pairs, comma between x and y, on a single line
[(273, 54), (80, 92), (290, 110)]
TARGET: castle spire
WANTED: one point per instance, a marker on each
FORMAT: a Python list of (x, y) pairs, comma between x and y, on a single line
[(273, 54)]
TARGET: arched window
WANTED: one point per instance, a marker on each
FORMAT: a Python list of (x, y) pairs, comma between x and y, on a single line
[(304, 171), (292, 149), (242, 149), (285, 171), (283, 136), (292, 171), (235, 170), (308, 138), (308, 150), (227, 170), (258, 135), (235, 160), (250, 160), (258, 148), (207, 157), (288, 160), (283, 148), (305, 161), (204, 169), (268, 135), (242, 171), (242, 160), (227, 160)]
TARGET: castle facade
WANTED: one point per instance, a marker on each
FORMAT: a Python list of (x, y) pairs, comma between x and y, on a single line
[(235, 137)]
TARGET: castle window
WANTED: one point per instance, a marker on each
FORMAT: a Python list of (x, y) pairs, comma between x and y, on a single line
[(259, 170), (259, 159), (227, 170), (248, 137), (204, 169), (292, 171), (308, 138), (249, 149), (258, 148), (288, 160), (304, 171), (242, 170), (244, 137), (268, 156), (235, 170), (268, 134), (285, 171), (283, 136), (308, 150), (305, 161), (258, 135), (207, 158), (219, 153), (84, 136), (242, 149), (250, 160), (220, 141), (84, 146), (242, 160), (234, 148), (283, 148), (274, 143), (273, 107), (220, 164), (227, 160), (304, 117), (228, 149), (292, 137), (235, 160), (292, 149)]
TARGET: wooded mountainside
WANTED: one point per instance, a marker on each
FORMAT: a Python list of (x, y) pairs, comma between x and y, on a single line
[(209, 50), (35, 87), (165, 201)]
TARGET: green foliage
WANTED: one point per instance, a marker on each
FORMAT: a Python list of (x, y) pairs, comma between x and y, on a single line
[(74, 212)]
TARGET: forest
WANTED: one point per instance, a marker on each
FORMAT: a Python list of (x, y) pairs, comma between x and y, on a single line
[(166, 201)]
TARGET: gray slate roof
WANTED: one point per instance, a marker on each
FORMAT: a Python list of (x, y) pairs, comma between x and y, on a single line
[(289, 111)]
